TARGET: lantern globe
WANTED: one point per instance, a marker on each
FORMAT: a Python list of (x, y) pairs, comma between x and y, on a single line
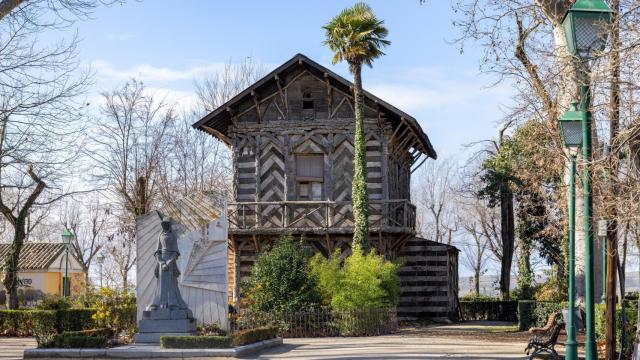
[(585, 27), (67, 235), (571, 127)]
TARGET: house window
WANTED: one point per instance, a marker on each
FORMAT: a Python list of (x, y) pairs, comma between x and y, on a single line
[(308, 107), (310, 176)]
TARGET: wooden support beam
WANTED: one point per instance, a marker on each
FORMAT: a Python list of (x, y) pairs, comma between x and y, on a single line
[(283, 97), (329, 95), (232, 115), (256, 103)]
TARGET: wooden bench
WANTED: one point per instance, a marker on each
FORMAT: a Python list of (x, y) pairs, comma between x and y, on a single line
[(543, 340)]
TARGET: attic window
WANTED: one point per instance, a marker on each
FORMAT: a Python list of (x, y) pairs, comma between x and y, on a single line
[(307, 102)]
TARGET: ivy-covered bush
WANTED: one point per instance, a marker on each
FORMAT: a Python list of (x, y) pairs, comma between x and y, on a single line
[(489, 310), (281, 279), (631, 314), (362, 281)]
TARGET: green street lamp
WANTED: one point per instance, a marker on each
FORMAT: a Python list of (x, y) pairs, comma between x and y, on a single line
[(67, 236), (571, 130), (585, 27)]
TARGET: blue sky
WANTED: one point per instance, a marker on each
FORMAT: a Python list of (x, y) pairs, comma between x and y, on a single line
[(168, 45)]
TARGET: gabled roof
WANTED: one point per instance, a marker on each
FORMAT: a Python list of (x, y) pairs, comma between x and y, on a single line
[(34, 256), (218, 121)]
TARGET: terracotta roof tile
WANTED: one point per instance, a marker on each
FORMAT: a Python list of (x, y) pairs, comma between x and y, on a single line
[(33, 255)]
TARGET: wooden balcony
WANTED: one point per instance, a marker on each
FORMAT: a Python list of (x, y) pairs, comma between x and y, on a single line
[(319, 217)]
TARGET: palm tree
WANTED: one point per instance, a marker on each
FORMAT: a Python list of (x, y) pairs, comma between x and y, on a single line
[(357, 37)]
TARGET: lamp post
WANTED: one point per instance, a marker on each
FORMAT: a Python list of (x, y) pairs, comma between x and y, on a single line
[(67, 236), (571, 128), (100, 260), (602, 234), (586, 35)]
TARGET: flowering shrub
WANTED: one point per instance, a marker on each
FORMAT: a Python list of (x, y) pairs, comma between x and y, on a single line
[(115, 310)]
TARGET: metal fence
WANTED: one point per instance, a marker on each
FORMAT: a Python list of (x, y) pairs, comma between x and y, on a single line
[(323, 322)]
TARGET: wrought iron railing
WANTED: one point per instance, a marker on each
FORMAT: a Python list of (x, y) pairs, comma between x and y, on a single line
[(320, 215), (322, 322)]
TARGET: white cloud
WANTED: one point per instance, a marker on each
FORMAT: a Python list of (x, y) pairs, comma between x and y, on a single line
[(147, 72), (435, 88)]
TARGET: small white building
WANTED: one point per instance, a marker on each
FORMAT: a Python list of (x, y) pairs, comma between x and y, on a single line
[(42, 267)]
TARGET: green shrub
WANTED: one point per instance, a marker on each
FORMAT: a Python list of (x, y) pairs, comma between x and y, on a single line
[(63, 341), (27, 322), (362, 282), (113, 309), (489, 310), (54, 302), (631, 314), (250, 336), (195, 342), (474, 297), (211, 330), (104, 332), (74, 319), (533, 313), (281, 279)]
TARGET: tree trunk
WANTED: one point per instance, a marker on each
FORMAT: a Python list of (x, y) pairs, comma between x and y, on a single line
[(360, 197), (507, 232), (612, 230), (476, 281), (10, 280)]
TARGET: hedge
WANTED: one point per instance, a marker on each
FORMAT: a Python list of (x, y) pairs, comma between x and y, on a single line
[(249, 336), (631, 312), (27, 322), (489, 310), (74, 319), (536, 313), (242, 337), (36, 322), (74, 342), (195, 342)]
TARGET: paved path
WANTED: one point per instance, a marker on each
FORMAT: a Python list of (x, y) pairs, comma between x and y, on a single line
[(408, 345), (12, 348), (394, 347)]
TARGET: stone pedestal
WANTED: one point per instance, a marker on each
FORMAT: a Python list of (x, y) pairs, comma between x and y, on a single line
[(164, 322)]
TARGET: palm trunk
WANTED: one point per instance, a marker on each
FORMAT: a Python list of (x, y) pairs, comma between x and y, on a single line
[(359, 186)]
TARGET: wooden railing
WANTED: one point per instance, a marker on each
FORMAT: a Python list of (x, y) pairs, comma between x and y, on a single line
[(319, 215)]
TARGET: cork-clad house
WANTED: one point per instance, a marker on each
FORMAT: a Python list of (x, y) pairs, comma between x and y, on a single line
[(291, 135)]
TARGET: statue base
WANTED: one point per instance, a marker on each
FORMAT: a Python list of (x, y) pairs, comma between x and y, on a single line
[(165, 322)]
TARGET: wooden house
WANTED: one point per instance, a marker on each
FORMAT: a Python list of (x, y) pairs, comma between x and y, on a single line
[(291, 134)]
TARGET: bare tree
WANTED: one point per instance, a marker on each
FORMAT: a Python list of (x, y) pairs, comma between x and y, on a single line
[(435, 192), (132, 140), (88, 223), (475, 241), (39, 127)]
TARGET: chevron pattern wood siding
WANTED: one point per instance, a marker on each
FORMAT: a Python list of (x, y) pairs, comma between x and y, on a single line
[(272, 179)]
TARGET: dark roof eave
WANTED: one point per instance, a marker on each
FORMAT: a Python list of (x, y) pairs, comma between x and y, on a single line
[(427, 147)]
